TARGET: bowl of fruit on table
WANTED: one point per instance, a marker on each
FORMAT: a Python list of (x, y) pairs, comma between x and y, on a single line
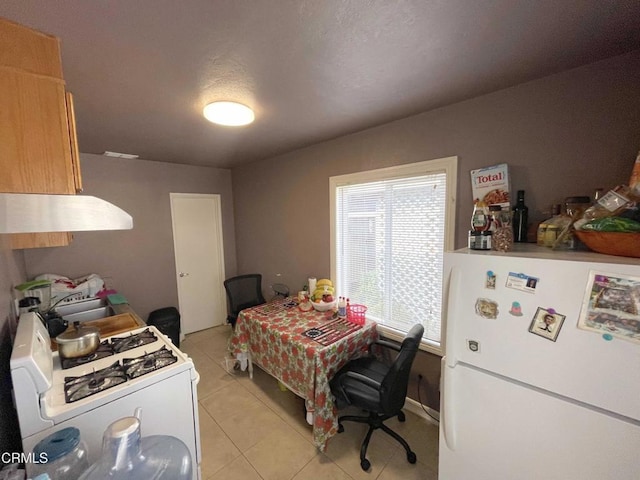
[(322, 298)]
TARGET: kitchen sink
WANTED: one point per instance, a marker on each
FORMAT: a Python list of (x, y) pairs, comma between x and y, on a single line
[(93, 314), (83, 306), (84, 311)]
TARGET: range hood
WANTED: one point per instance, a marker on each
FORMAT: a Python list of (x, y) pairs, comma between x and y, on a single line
[(32, 213)]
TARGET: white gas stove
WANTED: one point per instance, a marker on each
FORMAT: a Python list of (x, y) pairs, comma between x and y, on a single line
[(138, 369)]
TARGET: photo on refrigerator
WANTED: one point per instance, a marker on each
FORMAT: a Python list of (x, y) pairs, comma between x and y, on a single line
[(547, 323), (611, 306)]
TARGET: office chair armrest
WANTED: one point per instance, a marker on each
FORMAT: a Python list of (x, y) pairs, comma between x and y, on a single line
[(385, 343), (361, 378)]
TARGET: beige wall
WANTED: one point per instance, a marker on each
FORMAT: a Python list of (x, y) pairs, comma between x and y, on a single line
[(562, 135), (139, 263)]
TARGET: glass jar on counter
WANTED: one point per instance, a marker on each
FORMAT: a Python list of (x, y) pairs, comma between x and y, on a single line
[(574, 210), (543, 237), (494, 220), (503, 236), (576, 206), (480, 240)]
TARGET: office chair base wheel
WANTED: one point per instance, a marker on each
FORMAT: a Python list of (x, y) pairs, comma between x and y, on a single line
[(365, 464), (401, 417), (411, 457)]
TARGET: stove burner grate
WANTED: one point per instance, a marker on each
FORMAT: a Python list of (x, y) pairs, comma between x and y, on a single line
[(104, 350), (122, 344), (77, 388), (150, 362)]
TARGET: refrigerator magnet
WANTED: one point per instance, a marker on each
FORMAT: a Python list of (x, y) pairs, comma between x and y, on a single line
[(547, 323), (473, 345), (490, 282), (522, 282), (486, 308), (516, 309)]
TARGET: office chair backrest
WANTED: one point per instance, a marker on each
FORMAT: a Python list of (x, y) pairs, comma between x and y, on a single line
[(394, 386), (244, 291)]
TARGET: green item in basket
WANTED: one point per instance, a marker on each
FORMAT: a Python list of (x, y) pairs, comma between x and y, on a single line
[(117, 299), (612, 224)]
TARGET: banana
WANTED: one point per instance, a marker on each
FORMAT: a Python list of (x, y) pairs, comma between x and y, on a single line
[(324, 281), (322, 290), (319, 292)]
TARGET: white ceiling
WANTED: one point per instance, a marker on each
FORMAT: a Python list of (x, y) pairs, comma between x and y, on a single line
[(142, 70)]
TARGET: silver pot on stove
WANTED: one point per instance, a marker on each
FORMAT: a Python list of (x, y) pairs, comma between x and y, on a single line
[(78, 342)]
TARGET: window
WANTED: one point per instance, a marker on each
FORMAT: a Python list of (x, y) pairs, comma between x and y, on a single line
[(390, 229)]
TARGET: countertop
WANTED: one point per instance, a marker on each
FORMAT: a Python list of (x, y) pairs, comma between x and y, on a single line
[(123, 320), (126, 308)]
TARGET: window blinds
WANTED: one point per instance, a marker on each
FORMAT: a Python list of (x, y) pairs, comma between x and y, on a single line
[(390, 247)]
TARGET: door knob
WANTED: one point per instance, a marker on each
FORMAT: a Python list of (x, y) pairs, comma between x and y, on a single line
[(183, 274)]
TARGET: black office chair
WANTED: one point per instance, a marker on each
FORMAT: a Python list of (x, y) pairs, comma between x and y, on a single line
[(280, 290), (243, 291), (378, 389)]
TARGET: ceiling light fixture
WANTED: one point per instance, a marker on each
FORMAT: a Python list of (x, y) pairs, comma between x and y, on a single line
[(231, 114)]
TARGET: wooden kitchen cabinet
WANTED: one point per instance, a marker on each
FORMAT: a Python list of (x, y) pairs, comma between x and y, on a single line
[(38, 145)]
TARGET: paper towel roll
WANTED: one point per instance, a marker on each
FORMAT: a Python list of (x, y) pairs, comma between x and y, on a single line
[(312, 285)]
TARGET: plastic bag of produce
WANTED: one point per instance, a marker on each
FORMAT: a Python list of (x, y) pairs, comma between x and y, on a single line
[(613, 224)]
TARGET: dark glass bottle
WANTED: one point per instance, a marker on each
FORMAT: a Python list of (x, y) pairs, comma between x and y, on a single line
[(520, 219)]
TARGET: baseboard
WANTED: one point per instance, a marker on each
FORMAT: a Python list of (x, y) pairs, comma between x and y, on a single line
[(416, 408)]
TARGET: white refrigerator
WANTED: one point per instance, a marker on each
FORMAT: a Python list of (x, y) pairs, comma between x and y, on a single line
[(541, 373)]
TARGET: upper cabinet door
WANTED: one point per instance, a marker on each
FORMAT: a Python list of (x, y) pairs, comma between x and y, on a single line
[(38, 147), (29, 50), (35, 145)]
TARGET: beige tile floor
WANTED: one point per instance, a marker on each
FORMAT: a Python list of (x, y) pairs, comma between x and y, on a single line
[(252, 430)]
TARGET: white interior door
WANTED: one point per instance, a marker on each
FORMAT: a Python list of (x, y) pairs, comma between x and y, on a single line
[(199, 256)]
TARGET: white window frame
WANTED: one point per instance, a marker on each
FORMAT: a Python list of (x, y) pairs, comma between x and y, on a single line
[(447, 165)]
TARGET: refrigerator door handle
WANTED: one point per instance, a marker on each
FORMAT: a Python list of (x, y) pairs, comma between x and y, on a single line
[(455, 280), (447, 412)]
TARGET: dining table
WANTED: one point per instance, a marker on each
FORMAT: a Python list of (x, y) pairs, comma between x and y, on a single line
[(303, 350)]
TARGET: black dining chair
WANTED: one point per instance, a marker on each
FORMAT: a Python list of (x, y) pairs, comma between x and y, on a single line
[(280, 290), (378, 388), (243, 291)]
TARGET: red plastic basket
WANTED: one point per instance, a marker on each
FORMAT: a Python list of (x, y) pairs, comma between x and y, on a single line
[(356, 313)]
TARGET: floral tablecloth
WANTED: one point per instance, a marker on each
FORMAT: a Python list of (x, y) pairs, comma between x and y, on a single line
[(273, 337)]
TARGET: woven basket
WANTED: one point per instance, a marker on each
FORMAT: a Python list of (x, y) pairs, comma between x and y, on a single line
[(611, 243)]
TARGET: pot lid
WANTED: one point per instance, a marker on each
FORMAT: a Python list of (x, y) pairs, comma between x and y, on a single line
[(79, 332)]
